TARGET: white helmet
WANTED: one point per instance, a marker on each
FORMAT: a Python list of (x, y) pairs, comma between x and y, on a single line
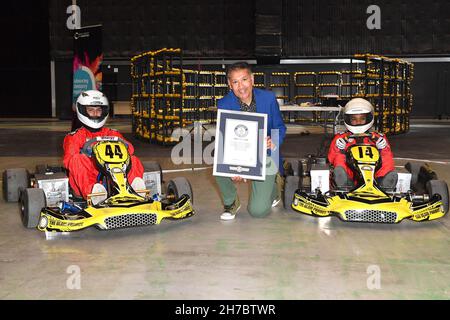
[(358, 106), (92, 98)]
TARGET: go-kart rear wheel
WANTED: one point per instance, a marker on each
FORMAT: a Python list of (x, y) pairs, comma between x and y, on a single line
[(13, 181), (152, 166), (41, 168), (414, 169), (32, 200), (290, 186), (46, 169), (179, 186), (440, 187), (291, 167)]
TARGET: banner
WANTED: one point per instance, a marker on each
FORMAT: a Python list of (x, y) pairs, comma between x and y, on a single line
[(87, 60)]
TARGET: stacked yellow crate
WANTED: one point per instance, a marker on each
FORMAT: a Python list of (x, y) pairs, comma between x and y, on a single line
[(386, 83), (157, 96)]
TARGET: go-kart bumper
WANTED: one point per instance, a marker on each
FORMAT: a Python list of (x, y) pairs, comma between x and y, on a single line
[(115, 216), (353, 210)]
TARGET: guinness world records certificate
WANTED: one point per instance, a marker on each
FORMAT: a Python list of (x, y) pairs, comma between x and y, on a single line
[(240, 145)]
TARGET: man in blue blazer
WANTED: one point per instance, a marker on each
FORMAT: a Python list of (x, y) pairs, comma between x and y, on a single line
[(244, 97)]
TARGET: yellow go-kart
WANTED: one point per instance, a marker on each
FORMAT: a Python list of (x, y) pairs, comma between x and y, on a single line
[(123, 206), (367, 202)]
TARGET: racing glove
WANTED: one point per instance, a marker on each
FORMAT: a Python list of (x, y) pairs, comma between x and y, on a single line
[(381, 143), (341, 143)]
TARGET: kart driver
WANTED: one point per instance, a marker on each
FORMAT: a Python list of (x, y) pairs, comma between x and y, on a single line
[(358, 119), (92, 110)]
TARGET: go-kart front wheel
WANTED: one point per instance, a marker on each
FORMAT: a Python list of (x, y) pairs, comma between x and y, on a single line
[(32, 200), (292, 167), (290, 186), (13, 181), (179, 186), (440, 187)]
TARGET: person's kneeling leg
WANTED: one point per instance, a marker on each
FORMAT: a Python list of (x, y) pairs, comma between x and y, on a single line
[(261, 198)]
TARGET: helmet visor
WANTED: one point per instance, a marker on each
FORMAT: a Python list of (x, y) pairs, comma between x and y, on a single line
[(358, 119), (95, 113)]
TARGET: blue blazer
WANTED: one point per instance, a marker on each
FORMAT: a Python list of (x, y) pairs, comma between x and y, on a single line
[(266, 102)]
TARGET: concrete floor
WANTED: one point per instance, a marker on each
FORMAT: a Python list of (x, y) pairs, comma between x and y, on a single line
[(284, 256)]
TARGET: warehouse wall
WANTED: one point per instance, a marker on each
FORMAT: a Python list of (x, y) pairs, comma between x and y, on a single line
[(430, 95), (431, 90), (233, 29)]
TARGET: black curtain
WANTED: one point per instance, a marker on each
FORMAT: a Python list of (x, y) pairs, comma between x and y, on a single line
[(202, 28), (24, 59), (338, 28)]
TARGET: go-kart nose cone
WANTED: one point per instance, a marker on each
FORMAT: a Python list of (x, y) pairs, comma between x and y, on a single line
[(43, 222), (116, 170)]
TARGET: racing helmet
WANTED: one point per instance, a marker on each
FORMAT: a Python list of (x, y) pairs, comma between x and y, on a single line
[(363, 111), (92, 98)]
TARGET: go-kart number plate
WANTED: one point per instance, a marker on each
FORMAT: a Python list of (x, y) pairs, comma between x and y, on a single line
[(112, 152), (365, 153)]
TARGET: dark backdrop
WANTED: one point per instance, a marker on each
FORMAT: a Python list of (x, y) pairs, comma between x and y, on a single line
[(202, 28), (338, 27), (25, 89), (227, 28)]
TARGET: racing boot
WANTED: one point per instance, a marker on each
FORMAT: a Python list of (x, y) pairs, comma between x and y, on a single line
[(138, 184), (389, 181), (341, 179), (98, 188)]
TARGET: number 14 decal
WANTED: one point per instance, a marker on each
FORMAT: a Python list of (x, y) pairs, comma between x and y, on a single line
[(368, 152)]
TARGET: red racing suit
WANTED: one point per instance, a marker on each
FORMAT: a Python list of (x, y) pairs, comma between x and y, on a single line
[(337, 157), (82, 170)]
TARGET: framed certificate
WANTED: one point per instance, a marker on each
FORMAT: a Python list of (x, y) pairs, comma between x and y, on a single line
[(240, 146)]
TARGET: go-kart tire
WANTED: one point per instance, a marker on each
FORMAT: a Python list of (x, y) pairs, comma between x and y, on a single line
[(180, 186), (290, 186), (45, 169), (32, 200), (291, 167), (152, 166), (13, 181), (41, 169), (440, 187), (414, 169)]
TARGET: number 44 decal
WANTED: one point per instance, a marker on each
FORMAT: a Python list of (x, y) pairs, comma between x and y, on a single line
[(117, 152)]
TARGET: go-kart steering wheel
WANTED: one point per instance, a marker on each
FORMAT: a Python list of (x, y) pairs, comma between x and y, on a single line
[(360, 137), (87, 147)]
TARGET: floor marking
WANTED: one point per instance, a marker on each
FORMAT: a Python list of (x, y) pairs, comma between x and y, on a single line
[(187, 169), (424, 160)]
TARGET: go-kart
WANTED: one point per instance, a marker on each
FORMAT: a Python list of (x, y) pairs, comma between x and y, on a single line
[(426, 199), (49, 205)]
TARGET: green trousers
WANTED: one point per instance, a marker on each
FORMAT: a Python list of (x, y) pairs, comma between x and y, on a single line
[(262, 195)]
